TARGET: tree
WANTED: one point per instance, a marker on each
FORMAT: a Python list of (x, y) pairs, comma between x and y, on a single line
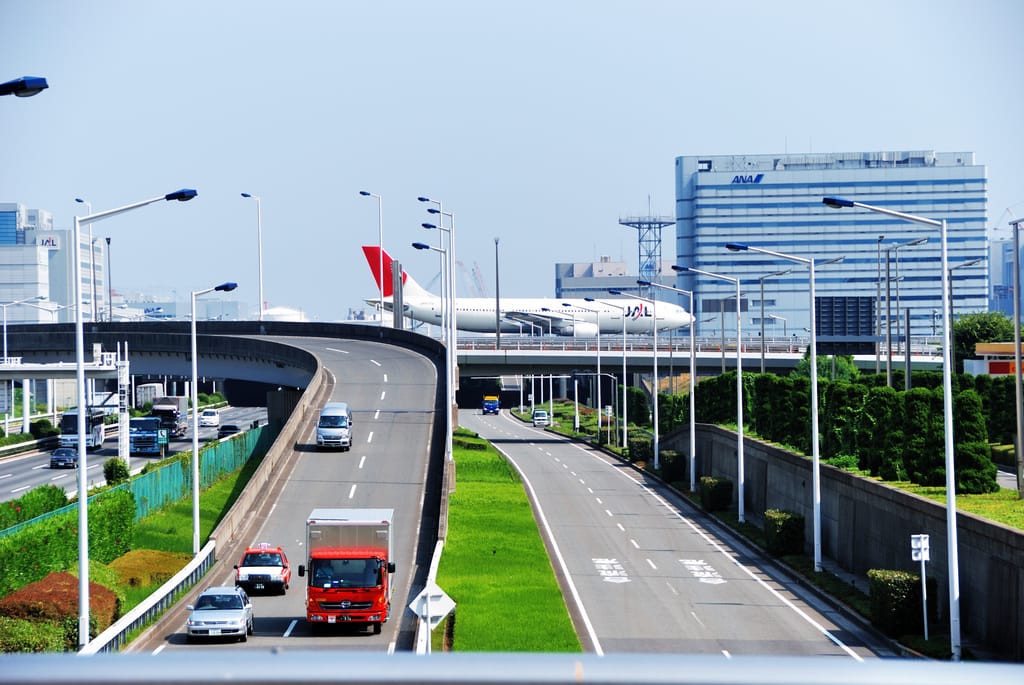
[(971, 329)]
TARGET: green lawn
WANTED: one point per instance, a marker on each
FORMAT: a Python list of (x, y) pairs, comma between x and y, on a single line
[(494, 564)]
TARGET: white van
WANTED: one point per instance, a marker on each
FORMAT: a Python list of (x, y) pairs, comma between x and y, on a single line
[(334, 428)]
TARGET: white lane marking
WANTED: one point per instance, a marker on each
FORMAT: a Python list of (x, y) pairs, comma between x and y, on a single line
[(291, 627), (369, 438), (21, 488), (599, 500), (385, 378), (721, 550), (558, 555), (352, 492), (6, 475), (620, 527), (374, 361), (362, 460), (696, 617), (726, 653), (335, 349), (376, 415), (382, 393), (634, 543), (651, 564), (609, 512), (41, 466), (159, 649)]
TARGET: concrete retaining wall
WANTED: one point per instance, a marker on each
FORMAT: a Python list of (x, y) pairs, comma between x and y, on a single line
[(867, 524)]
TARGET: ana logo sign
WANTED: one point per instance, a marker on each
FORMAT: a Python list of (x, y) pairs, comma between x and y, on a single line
[(749, 178)]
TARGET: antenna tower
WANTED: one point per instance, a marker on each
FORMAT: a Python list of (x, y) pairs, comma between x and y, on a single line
[(649, 243)]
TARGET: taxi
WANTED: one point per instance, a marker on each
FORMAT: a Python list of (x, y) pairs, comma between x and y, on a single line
[(263, 568)]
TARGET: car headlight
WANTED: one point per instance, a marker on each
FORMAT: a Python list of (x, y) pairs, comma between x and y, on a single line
[(243, 576)]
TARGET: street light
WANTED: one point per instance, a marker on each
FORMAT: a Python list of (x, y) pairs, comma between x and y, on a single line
[(878, 306), (813, 352), (1018, 399), (896, 249), (621, 308), (600, 407), (973, 262), (380, 248), (92, 260), (182, 195), (223, 287), (259, 250), (449, 386), (740, 477), (11, 304), (451, 268), (947, 401), (656, 388), (762, 280), (784, 320), (693, 381), (110, 286), (24, 87)]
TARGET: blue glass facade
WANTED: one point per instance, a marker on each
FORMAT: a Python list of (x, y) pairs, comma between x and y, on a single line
[(774, 202)]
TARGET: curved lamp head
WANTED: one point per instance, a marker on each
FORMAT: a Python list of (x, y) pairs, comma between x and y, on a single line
[(421, 246), (364, 193), (589, 299), (433, 210), (226, 287), (837, 202), (643, 284), (735, 247), (428, 225), (681, 269), (183, 195), (80, 200), (424, 199), (24, 87), (613, 291)]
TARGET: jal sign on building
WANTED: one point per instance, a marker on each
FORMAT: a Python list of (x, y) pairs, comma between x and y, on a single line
[(50, 241)]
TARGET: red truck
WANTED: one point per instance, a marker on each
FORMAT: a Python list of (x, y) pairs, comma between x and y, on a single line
[(348, 566)]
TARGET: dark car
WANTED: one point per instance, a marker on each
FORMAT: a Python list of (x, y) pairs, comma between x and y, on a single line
[(226, 430), (64, 458)]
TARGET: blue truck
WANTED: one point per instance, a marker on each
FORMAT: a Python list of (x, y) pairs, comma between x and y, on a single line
[(492, 405)]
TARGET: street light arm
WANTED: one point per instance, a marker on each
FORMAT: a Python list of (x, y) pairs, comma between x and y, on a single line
[(180, 195), (839, 202)]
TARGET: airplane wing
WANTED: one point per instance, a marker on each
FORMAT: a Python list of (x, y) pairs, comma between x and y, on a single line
[(554, 322)]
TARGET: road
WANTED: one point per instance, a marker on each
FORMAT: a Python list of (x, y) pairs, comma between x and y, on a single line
[(647, 572), (391, 392), (20, 473)]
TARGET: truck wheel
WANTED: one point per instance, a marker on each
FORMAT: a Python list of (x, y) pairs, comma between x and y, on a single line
[(376, 629)]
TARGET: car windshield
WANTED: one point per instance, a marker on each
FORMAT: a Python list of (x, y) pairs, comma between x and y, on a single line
[(346, 572), (262, 559), (219, 602), (333, 421)]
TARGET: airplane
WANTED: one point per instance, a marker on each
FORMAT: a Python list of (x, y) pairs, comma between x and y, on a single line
[(569, 317)]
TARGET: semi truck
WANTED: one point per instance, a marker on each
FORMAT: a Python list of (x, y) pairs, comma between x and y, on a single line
[(492, 405), (173, 414), (145, 436), (348, 567)]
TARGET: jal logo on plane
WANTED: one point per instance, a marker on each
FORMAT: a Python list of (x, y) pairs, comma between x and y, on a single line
[(749, 178), (637, 311)]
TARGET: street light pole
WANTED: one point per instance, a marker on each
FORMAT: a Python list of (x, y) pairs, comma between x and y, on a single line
[(449, 387), (656, 388), (11, 304), (693, 382), (224, 287), (1018, 400), (259, 251), (182, 195), (497, 300), (380, 246), (813, 354), (762, 280), (878, 307), (92, 260), (947, 401), (110, 286), (600, 407), (740, 476), (952, 319), (625, 422)]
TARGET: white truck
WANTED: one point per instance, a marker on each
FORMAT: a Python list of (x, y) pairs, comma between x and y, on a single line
[(349, 566), (173, 414)]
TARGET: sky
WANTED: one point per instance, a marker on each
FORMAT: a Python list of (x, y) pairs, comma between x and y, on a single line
[(539, 123)]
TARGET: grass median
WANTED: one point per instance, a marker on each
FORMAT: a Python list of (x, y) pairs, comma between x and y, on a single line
[(494, 564)]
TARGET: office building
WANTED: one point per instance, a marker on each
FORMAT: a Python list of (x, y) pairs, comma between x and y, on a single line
[(594, 279), (35, 262), (774, 202)]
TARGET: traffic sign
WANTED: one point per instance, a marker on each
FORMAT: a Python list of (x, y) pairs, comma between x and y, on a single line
[(432, 604)]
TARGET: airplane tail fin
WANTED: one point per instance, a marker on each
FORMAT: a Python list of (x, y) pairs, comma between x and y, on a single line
[(374, 258)]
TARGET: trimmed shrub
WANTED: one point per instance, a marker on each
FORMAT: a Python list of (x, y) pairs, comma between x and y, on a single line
[(895, 598), (715, 493), (115, 471), (783, 532), (55, 598), (35, 502)]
